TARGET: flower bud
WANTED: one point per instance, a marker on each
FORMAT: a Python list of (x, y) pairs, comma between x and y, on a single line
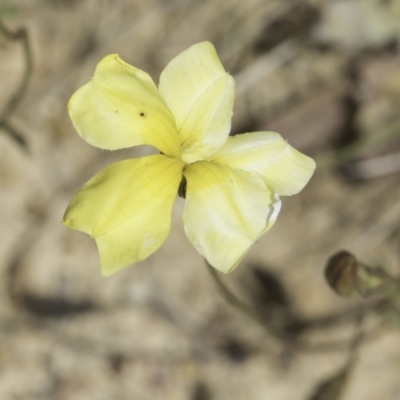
[(350, 278)]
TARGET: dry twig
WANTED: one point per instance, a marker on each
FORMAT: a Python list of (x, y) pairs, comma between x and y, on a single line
[(20, 35)]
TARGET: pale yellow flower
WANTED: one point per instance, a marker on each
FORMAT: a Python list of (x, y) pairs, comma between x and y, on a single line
[(233, 183)]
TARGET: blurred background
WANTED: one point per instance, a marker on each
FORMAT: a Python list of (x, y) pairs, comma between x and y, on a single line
[(324, 74)]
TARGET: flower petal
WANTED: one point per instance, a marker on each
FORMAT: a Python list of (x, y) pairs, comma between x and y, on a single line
[(200, 94), (227, 210), (121, 107), (127, 209), (282, 167)]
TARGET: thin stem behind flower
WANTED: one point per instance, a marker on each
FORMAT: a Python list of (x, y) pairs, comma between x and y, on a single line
[(238, 304), (281, 339)]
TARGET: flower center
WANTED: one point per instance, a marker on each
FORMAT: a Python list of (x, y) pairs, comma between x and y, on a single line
[(190, 157), (182, 188)]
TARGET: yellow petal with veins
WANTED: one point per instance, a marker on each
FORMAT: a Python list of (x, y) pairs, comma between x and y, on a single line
[(121, 107), (127, 208), (282, 167), (226, 211), (200, 94)]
